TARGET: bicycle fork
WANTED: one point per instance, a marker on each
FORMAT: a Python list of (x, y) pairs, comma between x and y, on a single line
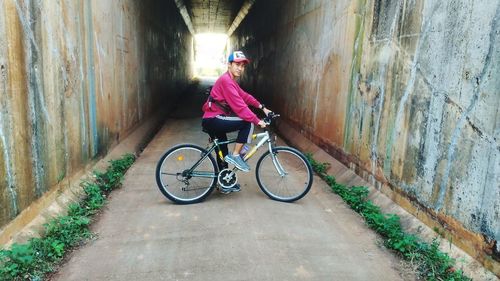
[(279, 168), (277, 164)]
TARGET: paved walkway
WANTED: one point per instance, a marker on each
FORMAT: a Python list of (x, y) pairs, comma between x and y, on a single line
[(239, 236)]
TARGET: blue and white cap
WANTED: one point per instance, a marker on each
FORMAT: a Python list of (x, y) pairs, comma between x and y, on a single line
[(238, 56)]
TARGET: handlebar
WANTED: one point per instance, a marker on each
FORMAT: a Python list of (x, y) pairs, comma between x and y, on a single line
[(269, 118)]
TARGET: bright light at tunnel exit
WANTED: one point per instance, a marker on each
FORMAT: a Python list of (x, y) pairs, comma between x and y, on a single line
[(210, 55)]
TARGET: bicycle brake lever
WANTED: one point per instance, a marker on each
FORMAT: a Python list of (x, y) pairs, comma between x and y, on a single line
[(270, 116)]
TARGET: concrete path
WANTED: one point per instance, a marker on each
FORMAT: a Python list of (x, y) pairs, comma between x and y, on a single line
[(239, 236)]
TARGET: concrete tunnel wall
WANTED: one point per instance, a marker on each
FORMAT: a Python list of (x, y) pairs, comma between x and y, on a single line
[(403, 92), (76, 77), (406, 93)]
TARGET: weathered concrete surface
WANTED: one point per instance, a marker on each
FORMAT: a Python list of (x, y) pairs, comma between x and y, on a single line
[(30, 222), (394, 205), (240, 236), (76, 77), (403, 92)]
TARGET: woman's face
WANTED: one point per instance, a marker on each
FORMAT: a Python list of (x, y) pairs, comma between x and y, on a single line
[(236, 69)]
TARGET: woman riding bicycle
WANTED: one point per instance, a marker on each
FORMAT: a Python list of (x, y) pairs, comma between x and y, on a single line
[(187, 173), (226, 110)]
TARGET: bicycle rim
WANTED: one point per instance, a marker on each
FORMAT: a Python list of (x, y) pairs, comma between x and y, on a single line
[(295, 178), (181, 188)]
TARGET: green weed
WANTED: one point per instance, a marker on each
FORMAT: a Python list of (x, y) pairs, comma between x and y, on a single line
[(39, 256), (432, 263)]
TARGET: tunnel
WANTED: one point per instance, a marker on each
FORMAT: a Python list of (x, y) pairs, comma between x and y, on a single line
[(404, 93)]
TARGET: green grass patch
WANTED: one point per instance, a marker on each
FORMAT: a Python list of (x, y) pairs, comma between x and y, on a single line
[(432, 264), (39, 256)]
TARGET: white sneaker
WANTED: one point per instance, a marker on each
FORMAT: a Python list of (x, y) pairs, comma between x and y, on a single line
[(237, 161), (235, 188)]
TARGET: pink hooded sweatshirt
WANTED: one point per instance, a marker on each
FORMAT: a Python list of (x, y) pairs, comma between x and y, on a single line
[(226, 90)]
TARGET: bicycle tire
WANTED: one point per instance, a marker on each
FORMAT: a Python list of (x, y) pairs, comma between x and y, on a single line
[(296, 180), (183, 189)]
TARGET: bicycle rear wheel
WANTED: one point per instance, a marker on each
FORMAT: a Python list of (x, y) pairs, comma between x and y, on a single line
[(288, 177), (177, 182)]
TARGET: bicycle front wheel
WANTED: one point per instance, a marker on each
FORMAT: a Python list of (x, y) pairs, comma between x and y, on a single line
[(180, 179), (285, 175)]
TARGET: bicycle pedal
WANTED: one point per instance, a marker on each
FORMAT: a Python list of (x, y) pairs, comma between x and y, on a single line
[(236, 188), (224, 191)]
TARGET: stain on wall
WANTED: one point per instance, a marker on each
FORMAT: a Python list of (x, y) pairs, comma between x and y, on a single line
[(404, 92), (76, 77)]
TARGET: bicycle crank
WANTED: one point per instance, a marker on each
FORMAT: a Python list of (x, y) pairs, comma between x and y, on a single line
[(227, 178)]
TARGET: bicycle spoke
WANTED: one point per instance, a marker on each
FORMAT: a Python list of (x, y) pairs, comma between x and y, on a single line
[(184, 176), (285, 175)]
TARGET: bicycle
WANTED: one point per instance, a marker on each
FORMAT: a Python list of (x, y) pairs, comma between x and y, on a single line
[(188, 173)]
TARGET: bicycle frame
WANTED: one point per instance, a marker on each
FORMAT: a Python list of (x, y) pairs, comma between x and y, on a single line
[(264, 137), (271, 171)]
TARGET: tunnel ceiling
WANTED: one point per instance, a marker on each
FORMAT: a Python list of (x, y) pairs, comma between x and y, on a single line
[(213, 16)]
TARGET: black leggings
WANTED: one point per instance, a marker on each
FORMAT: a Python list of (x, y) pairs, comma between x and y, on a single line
[(219, 126)]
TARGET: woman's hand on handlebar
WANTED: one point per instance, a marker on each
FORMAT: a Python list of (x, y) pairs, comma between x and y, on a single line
[(262, 124), (269, 116), (266, 111)]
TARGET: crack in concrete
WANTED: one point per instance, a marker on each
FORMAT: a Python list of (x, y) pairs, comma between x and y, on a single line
[(425, 27), (35, 94), (354, 76), (11, 182), (463, 118), (380, 106)]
